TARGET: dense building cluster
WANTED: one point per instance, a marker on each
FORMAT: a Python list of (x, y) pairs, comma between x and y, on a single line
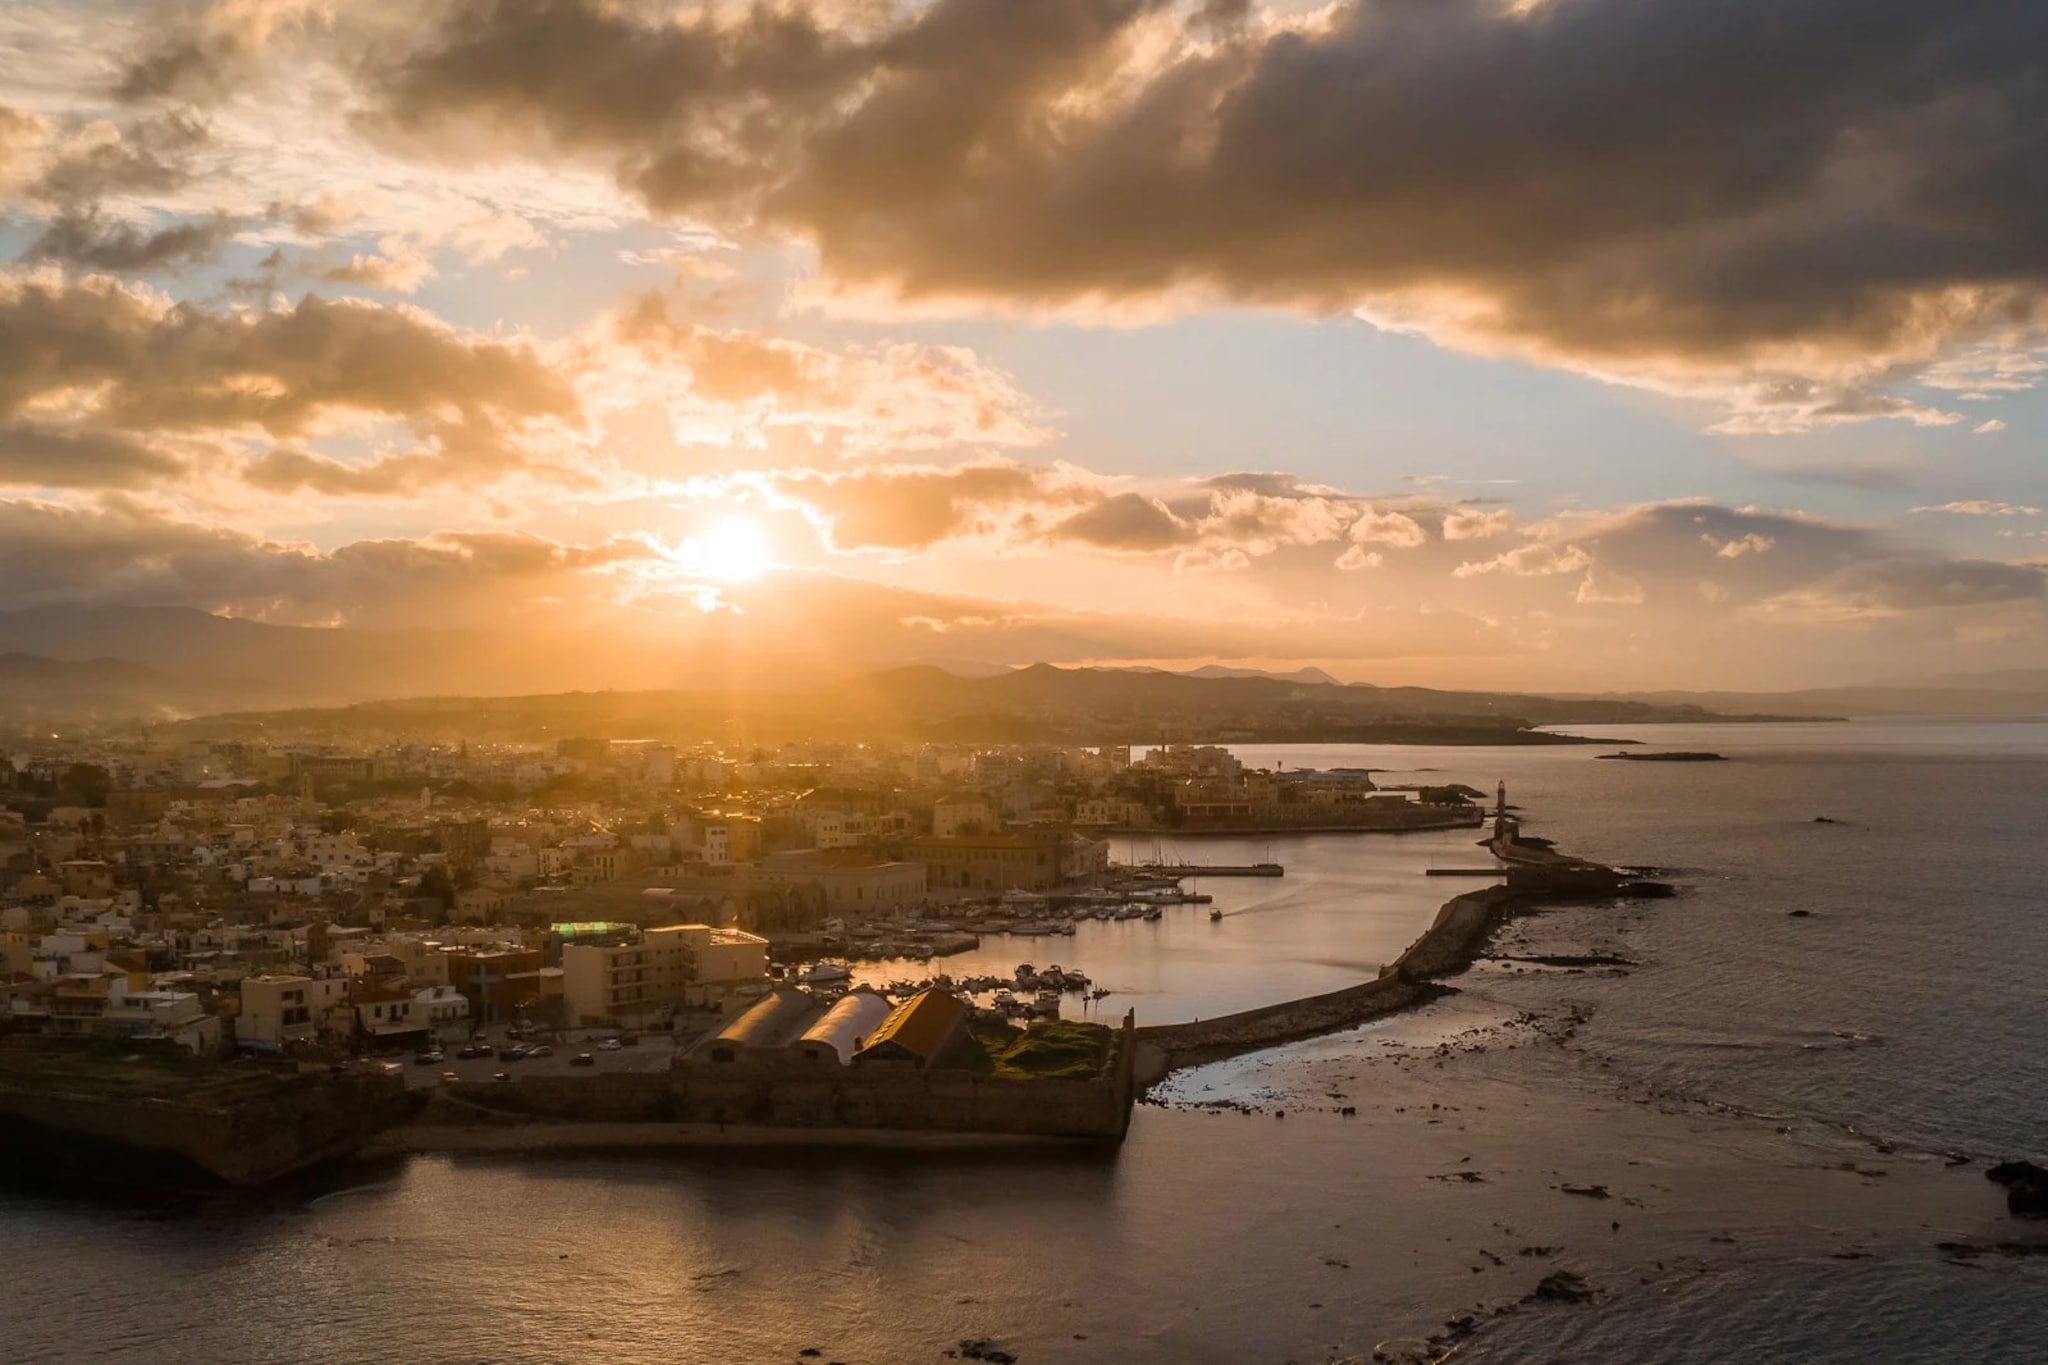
[(287, 896)]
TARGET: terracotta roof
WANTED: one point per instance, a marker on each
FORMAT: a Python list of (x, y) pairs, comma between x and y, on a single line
[(920, 1025)]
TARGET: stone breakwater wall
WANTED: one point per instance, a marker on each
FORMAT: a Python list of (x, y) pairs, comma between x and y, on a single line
[(907, 1101), (798, 1095), (1331, 820), (120, 1140), (1450, 943)]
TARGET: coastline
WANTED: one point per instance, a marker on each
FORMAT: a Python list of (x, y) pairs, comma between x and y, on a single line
[(539, 1137)]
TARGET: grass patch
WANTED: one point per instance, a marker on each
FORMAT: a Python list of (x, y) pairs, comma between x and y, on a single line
[(1059, 1049)]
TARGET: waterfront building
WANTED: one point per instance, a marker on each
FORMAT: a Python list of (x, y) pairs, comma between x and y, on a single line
[(764, 1031), (847, 883), (919, 1032), (654, 973), (844, 1029), (1026, 859)]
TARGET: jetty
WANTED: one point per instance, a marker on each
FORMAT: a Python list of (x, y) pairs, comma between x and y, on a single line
[(1180, 870), (1455, 938)]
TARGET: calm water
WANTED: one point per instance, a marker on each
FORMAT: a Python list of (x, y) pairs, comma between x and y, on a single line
[(1346, 905), (1908, 1005)]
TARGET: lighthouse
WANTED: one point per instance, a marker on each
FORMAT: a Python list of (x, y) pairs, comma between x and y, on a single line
[(1500, 802)]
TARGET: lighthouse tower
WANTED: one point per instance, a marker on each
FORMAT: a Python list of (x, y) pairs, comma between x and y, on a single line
[(1500, 801)]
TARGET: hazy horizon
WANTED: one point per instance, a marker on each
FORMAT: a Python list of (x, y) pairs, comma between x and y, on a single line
[(1420, 344)]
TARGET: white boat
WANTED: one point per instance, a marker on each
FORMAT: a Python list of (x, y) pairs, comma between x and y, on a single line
[(823, 972)]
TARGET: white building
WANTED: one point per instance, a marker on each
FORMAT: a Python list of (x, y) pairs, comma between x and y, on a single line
[(667, 968)]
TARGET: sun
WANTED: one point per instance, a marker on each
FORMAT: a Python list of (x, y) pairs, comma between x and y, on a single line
[(733, 549)]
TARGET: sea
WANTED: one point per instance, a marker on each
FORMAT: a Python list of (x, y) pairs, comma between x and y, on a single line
[(1793, 1113)]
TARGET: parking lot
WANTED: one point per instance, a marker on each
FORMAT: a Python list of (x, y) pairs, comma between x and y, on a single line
[(653, 1052)]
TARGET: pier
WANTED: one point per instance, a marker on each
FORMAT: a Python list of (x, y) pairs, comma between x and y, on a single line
[(1202, 869)]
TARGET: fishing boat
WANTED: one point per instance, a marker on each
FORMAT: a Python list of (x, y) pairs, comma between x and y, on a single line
[(1215, 915)]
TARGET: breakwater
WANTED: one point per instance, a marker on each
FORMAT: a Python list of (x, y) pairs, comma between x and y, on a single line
[(1453, 939)]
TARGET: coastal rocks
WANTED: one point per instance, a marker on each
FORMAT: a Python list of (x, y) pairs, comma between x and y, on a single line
[(2026, 1187), (981, 1348), (1561, 1286), (1588, 1191)]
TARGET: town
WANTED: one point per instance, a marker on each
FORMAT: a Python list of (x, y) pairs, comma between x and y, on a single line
[(451, 915)]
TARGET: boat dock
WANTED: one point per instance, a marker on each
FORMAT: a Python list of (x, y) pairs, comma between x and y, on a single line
[(1203, 869), (1465, 872)]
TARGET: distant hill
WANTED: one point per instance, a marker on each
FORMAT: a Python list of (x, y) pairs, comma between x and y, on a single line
[(1040, 703), (2015, 700)]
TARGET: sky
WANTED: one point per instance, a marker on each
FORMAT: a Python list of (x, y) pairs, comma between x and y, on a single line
[(1562, 344)]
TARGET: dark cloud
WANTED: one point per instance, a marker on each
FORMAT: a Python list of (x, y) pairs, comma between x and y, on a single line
[(81, 239), (184, 367), (1672, 553), (37, 456), (1124, 521), (119, 553), (1601, 181), (912, 507), (150, 156)]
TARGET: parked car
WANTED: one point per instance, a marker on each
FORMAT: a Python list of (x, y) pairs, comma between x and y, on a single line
[(449, 1078), (500, 1076), (583, 1059), (540, 1050), (431, 1057), (514, 1053), (470, 1050), (390, 1068), (609, 1045)]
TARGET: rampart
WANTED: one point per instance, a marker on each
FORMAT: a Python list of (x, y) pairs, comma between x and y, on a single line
[(809, 1096), (72, 1132)]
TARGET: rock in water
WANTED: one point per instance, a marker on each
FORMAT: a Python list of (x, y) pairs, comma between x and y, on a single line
[(1562, 1287), (2026, 1187)]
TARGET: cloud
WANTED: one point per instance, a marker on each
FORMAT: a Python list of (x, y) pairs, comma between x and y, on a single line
[(21, 133), (1797, 244), (398, 267), (912, 507), (90, 358), (1535, 560), (37, 456), (200, 52), (1473, 523), (1751, 544), (893, 398), (1604, 587), (1978, 507), (81, 239), (1124, 521), (102, 159), (1397, 529), (120, 553), (1985, 428), (1357, 557), (1784, 239)]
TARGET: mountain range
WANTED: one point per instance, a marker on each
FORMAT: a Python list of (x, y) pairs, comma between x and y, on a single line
[(170, 663)]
